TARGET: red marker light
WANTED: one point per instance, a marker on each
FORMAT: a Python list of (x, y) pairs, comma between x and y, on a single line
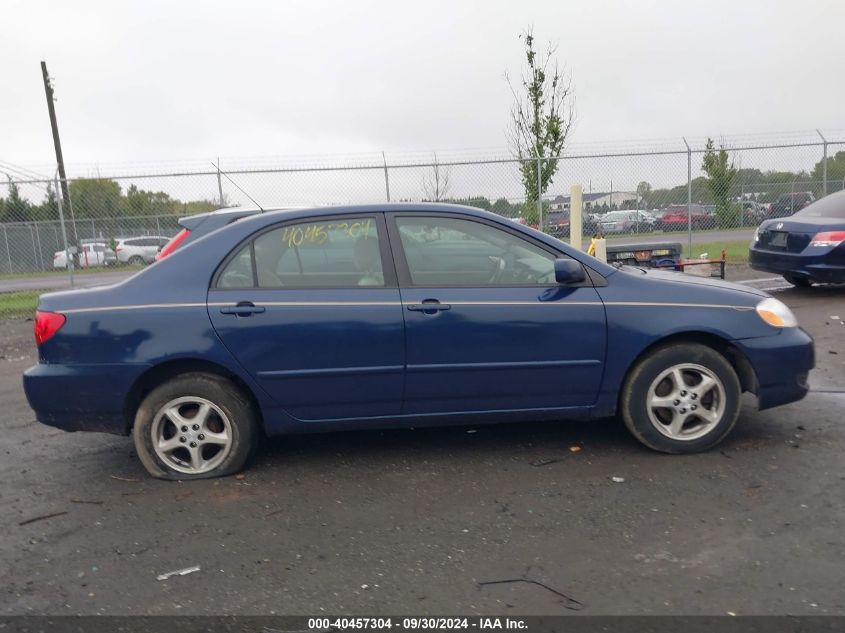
[(47, 324)]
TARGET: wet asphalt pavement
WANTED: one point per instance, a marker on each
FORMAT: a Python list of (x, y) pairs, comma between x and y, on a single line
[(412, 521)]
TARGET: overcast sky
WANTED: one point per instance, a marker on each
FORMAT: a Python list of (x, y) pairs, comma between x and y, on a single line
[(168, 81)]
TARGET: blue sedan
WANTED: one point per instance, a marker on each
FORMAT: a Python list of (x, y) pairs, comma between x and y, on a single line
[(394, 315), (806, 247)]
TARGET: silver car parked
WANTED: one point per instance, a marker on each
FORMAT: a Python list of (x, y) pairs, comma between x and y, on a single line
[(626, 221)]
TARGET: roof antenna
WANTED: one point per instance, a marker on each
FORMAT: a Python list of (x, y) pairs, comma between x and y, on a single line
[(219, 171)]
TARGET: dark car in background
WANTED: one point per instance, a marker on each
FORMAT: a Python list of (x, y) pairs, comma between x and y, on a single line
[(201, 224), (753, 212), (790, 203), (557, 223), (806, 247)]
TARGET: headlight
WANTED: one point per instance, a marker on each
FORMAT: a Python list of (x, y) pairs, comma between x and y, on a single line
[(757, 234), (775, 313)]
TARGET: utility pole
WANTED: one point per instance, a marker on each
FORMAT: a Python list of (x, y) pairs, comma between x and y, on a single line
[(48, 89)]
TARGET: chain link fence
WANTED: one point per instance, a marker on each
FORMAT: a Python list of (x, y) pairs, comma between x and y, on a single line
[(119, 217)]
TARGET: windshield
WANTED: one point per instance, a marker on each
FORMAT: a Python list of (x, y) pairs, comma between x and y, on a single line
[(832, 206)]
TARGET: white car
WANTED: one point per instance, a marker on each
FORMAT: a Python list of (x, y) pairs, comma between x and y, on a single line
[(139, 250), (90, 254)]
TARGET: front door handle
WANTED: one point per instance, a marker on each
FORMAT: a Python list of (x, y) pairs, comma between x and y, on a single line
[(243, 308), (429, 306)]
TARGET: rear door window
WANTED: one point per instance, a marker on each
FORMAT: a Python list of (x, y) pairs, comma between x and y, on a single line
[(334, 253)]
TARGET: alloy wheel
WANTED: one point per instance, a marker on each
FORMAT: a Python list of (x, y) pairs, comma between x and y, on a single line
[(686, 401), (191, 435)]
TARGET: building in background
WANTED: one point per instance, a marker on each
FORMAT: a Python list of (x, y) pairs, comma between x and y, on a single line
[(600, 201)]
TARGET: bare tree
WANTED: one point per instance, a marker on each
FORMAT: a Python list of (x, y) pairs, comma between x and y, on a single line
[(541, 117), (436, 185)]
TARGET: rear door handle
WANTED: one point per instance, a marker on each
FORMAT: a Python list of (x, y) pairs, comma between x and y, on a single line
[(429, 306), (244, 308)]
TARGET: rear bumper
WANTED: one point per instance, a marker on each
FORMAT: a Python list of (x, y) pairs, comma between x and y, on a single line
[(81, 397), (825, 268), (781, 364)]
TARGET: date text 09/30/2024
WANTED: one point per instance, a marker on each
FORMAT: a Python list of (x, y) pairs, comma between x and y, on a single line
[(417, 623)]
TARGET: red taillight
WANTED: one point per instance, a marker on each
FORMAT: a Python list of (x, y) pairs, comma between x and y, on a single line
[(173, 244), (828, 238), (117, 249), (57, 255), (47, 324)]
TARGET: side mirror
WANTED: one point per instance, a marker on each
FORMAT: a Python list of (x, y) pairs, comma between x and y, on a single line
[(568, 271)]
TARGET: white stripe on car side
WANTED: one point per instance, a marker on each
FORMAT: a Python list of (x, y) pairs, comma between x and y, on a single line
[(333, 304)]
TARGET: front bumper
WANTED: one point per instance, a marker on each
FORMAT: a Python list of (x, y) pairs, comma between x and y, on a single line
[(781, 365), (81, 397)]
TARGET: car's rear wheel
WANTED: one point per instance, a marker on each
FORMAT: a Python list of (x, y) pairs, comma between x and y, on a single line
[(195, 426), (682, 398), (798, 281), (135, 260)]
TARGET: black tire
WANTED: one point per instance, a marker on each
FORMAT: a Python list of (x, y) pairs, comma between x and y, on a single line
[(636, 389), (798, 281), (135, 260), (241, 416)]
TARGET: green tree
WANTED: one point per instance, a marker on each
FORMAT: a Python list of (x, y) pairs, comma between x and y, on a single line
[(95, 198), (504, 208), (835, 173), (196, 206), (141, 202), (49, 207), (541, 118), (480, 202), (644, 193), (16, 208), (721, 174)]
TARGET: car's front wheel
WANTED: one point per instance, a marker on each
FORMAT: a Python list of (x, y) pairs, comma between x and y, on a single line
[(682, 398), (195, 426)]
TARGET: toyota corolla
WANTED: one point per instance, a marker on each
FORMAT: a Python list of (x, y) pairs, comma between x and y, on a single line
[(395, 315)]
